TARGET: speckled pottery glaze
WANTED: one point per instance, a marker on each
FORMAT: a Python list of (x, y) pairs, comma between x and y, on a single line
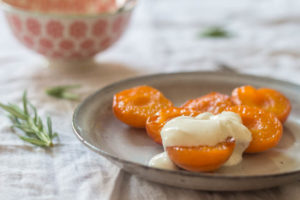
[(65, 35), (95, 126)]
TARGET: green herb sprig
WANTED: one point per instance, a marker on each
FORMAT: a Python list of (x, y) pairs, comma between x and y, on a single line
[(215, 32), (27, 120), (62, 92)]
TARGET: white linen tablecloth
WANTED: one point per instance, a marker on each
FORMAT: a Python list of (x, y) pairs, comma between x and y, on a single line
[(162, 37)]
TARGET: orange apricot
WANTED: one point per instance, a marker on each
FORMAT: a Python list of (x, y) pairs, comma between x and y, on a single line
[(213, 102), (133, 106), (201, 158), (155, 122), (265, 98), (265, 127)]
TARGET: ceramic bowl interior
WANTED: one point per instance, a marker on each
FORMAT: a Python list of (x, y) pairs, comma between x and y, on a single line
[(72, 35), (131, 149)]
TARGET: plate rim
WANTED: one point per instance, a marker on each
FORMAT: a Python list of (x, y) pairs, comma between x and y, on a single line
[(78, 132)]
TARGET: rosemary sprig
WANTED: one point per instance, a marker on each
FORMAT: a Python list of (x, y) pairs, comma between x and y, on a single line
[(27, 120), (215, 32), (62, 92)]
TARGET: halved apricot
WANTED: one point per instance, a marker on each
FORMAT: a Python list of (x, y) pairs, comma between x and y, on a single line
[(265, 127), (133, 106), (201, 158), (155, 122), (213, 102), (265, 98)]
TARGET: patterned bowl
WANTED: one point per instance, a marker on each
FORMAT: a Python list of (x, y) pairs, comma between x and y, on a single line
[(64, 30)]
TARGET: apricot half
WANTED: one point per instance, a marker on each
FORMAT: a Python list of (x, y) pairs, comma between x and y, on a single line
[(213, 102), (201, 158), (265, 127), (265, 98), (155, 123), (133, 106)]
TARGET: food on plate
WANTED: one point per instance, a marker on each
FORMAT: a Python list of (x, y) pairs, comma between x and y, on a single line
[(207, 132), (201, 158), (205, 142), (265, 127), (133, 106), (162, 161), (265, 98), (213, 102), (155, 122)]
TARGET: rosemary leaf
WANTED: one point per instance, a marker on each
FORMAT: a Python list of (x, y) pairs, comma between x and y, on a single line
[(25, 108), (30, 123), (49, 125), (62, 92), (215, 32), (13, 111), (33, 141)]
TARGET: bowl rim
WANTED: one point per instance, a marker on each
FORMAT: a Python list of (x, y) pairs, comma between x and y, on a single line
[(13, 9), (78, 132)]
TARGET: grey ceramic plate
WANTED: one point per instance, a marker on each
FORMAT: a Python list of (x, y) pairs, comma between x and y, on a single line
[(130, 149)]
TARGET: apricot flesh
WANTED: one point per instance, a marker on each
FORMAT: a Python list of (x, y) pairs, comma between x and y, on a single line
[(265, 98), (265, 127), (213, 102), (133, 106), (201, 158)]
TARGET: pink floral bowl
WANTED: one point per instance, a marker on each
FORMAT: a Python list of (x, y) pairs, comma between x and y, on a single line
[(64, 30)]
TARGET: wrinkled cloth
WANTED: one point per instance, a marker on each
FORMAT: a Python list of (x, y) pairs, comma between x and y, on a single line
[(163, 36)]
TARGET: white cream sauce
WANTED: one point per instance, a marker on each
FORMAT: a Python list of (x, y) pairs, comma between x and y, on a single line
[(162, 161)]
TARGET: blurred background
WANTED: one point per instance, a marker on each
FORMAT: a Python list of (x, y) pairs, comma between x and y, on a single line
[(166, 35)]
